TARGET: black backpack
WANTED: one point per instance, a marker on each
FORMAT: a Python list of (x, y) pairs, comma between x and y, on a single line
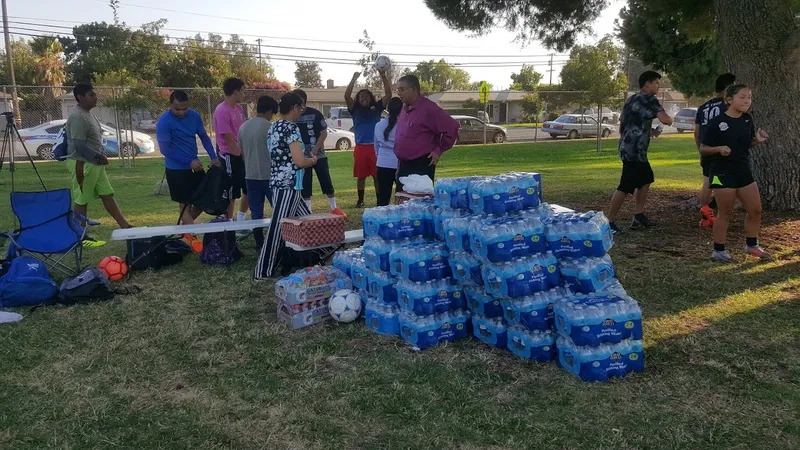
[(213, 194), (89, 285), (155, 252)]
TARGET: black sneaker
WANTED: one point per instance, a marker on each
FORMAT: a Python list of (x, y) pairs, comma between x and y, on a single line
[(614, 228), (641, 222)]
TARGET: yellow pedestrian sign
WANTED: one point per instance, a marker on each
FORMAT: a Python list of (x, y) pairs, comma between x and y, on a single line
[(484, 90)]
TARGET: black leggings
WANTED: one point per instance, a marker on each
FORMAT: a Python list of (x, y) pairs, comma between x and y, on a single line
[(387, 178)]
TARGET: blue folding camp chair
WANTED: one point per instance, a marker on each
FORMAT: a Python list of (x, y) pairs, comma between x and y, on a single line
[(48, 229)]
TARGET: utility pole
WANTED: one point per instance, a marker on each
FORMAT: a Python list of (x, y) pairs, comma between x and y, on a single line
[(259, 50), (551, 68), (14, 100)]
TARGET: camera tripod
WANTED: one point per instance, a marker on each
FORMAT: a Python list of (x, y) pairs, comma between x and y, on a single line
[(11, 132)]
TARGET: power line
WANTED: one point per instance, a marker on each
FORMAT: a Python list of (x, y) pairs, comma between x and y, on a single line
[(280, 57), (318, 49)]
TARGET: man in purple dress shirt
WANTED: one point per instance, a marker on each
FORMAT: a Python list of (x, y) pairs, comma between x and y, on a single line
[(424, 132)]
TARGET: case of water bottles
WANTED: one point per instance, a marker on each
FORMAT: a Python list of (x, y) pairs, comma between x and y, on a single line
[(479, 302), (382, 286), (579, 235), (466, 267), (421, 263), (506, 193), (429, 297), (507, 238), (601, 362), (533, 312), (343, 260), (311, 284), (453, 192), (441, 215), (382, 318), (522, 277), (536, 345), (427, 331), (491, 331), (587, 275), (598, 318), (456, 232)]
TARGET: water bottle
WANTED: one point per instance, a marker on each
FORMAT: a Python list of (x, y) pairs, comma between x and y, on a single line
[(536, 345), (443, 214), (360, 273), (598, 319), (452, 192), (383, 287), (478, 301)]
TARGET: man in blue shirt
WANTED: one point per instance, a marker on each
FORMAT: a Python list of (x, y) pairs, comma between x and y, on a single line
[(705, 113), (177, 131)]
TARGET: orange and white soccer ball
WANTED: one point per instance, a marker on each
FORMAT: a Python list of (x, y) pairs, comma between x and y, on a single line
[(114, 267)]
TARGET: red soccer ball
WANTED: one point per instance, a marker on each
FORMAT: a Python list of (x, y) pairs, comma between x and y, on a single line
[(114, 267)]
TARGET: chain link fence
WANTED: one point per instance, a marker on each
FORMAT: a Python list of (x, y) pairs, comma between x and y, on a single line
[(128, 114)]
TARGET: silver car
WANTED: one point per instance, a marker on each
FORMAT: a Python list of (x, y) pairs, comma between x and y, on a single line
[(684, 120), (574, 126), (471, 130)]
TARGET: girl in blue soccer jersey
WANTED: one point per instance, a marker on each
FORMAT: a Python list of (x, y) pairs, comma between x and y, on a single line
[(727, 141)]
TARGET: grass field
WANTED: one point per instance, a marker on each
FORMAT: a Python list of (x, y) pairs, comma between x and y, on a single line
[(197, 360), (523, 125)]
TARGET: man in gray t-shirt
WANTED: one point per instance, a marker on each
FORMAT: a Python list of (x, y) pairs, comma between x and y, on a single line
[(257, 164)]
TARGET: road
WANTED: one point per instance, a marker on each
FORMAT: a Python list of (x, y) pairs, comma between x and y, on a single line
[(529, 134)]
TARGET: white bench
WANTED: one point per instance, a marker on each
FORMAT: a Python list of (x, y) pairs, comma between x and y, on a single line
[(197, 228)]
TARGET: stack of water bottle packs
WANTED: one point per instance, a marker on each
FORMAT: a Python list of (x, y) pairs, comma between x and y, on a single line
[(486, 256)]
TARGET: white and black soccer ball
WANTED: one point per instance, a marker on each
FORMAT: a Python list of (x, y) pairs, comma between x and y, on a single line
[(383, 62), (345, 306)]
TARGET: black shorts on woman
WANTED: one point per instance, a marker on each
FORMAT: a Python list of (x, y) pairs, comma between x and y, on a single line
[(737, 133)]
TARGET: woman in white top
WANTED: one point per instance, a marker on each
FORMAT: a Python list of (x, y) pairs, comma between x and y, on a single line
[(384, 148)]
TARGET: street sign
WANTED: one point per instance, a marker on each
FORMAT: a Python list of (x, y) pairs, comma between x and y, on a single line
[(484, 90)]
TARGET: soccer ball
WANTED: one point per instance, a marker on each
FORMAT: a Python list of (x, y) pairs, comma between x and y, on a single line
[(114, 267), (383, 62), (345, 306)]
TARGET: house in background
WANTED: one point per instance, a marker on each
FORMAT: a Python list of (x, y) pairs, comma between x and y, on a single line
[(502, 107)]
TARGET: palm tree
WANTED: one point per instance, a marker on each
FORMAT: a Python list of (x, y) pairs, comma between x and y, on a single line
[(50, 72)]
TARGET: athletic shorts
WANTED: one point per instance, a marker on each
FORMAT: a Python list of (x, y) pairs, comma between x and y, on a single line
[(234, 167), (183, 183), (734, 179), (365, 161), (705, 163), (95, 183), (635, 174), (323, 175)]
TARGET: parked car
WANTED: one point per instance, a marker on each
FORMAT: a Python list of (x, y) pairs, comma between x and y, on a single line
[(340, 118), (574, 126), (684, 119), (471, 130), (147, 125), (608, 116), (340, 139), (39, 140)]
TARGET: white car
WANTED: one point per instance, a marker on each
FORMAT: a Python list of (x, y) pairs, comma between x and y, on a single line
[(339, 139), (340, 118), (147, 125), (575, 126), (685, 119), (39, 140)]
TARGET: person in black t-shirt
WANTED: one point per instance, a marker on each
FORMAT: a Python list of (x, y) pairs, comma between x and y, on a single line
[(727, 141), (705, 113)]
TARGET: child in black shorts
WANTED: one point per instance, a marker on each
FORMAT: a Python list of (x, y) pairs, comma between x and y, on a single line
[(727, 141)]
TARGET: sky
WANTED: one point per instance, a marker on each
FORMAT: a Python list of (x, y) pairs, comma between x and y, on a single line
[(406, 31)]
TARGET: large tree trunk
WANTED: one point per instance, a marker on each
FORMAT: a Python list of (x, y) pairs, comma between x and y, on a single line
[(760, 43)]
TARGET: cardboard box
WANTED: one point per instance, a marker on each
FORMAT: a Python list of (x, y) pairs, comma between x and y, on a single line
[(402, 197), (314, 230), (305, 314)]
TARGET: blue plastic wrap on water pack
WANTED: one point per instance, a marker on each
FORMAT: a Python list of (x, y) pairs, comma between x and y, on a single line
[(443, 214), (428, 207), (344, 260), (586, 275), (396, 222), (456, 232), (504, 193), (533, 312), (598, 318), (479, 302), (543, 212), (601, 362), (429, 298), (522, 277), (507, 238), (376, 251), (364, 297), (452, 192), (578, 235), (383, 287), (490, 330), (360, 274), (382, 318), (466, 267), (421, 262), (427, 331), (536, 345)]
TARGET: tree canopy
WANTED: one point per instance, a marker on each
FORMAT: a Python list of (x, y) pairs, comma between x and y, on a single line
[(595, 69), (308, 74), (526, 80), (439, 76)]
